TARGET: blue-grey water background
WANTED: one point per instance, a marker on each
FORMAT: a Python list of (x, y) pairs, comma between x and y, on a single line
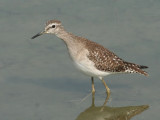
[(37, 78)]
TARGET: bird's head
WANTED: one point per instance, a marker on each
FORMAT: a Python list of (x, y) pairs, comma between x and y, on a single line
[(52, 26)]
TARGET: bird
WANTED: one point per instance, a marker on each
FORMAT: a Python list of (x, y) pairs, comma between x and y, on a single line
[(90, 57)]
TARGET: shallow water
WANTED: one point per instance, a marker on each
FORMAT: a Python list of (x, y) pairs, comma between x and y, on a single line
[(38, 80)]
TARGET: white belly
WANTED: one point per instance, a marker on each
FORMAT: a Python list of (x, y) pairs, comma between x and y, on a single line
[(87, 67), (83, 63)]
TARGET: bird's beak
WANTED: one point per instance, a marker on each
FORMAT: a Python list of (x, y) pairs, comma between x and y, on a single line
[(39, 34)]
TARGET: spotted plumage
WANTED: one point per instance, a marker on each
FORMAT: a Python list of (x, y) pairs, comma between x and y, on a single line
[(90, 57), (106, 60)]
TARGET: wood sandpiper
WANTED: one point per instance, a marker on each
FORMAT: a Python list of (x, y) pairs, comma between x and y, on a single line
[(91, 58)]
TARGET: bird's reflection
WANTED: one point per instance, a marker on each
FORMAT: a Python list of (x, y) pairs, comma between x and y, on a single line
[(110, 113)]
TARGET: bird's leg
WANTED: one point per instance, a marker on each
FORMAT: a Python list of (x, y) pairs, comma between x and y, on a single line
[(105, 102), (93, 89), (93, 98), (107, 88)]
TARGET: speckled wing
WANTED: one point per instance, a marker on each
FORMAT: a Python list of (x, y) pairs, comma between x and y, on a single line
[(107, 61), (104, 59)]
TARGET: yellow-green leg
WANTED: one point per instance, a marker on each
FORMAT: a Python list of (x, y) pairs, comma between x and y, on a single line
[(107, 88), (93, 89)]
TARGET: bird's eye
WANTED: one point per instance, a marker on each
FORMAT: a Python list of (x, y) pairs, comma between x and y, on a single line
[(53, 26)]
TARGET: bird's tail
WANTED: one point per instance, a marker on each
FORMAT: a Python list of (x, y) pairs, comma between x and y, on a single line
[(134, 68)]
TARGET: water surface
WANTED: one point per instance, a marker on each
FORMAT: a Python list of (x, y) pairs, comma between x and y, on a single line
[(37, 78)]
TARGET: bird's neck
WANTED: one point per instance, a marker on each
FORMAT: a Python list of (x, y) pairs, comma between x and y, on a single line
[(67, 37), (73, 43)]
